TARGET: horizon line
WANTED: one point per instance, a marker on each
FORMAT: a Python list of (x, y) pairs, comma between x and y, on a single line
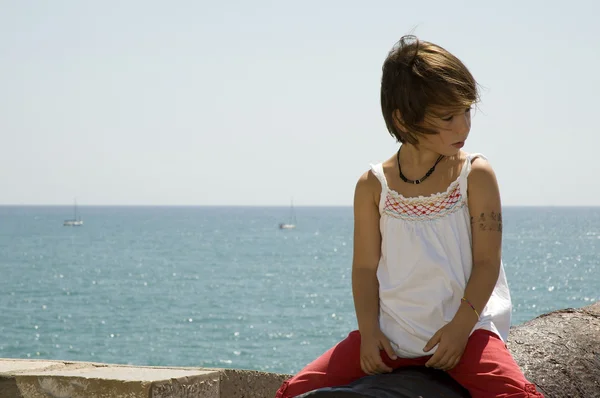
[(239, 205)]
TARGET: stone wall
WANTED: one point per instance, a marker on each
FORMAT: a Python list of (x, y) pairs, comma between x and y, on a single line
[(60, 379)]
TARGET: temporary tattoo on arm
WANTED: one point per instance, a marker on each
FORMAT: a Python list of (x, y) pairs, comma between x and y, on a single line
[(488, 222)]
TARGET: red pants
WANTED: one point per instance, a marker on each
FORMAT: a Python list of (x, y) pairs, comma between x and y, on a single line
[(486, 369)]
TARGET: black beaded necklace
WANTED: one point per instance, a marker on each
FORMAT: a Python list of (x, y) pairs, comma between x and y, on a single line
[(420, 180)]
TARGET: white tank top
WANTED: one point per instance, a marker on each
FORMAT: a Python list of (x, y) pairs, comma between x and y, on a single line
[(425, 264)]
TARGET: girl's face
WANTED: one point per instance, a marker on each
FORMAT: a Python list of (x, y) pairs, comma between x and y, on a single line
[(453, 126)]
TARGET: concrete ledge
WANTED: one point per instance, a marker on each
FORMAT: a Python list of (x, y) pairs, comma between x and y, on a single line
[(59, 379), (250, 383)]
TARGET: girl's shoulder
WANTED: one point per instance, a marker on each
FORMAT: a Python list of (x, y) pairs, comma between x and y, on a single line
[(481, 178), (370, 183), (478, 164)]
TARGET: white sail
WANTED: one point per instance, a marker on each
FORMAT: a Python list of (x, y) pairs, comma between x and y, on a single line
[(291, 224), (76, 221)]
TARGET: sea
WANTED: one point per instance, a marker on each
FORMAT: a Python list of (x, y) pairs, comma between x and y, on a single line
[(225, 287)]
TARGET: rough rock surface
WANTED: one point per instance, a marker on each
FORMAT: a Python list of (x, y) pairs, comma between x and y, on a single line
[(560, 352)]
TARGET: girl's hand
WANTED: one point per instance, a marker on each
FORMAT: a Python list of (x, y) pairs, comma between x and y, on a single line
[(451, 340), (370, 353)]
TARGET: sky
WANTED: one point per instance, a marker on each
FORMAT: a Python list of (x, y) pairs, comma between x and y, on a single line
[(258, 102)]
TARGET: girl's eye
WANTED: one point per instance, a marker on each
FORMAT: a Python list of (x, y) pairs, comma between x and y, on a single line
[(449, 118)]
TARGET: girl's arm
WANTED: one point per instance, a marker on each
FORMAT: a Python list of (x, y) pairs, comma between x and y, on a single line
[(367, 250), (365, 287), (486, 226)]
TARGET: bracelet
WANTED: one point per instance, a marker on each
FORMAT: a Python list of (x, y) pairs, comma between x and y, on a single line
[(470, 305)]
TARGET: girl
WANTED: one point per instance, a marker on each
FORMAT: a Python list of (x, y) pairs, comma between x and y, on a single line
[(427, 277)]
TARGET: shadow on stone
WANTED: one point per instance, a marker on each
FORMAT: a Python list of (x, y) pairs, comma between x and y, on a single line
[(409, 382)]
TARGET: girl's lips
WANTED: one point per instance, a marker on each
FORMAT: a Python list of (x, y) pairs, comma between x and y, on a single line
[(458, 144)]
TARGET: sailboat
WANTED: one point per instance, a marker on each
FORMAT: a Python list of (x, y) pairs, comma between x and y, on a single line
[(76, 221), (291, 224)]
